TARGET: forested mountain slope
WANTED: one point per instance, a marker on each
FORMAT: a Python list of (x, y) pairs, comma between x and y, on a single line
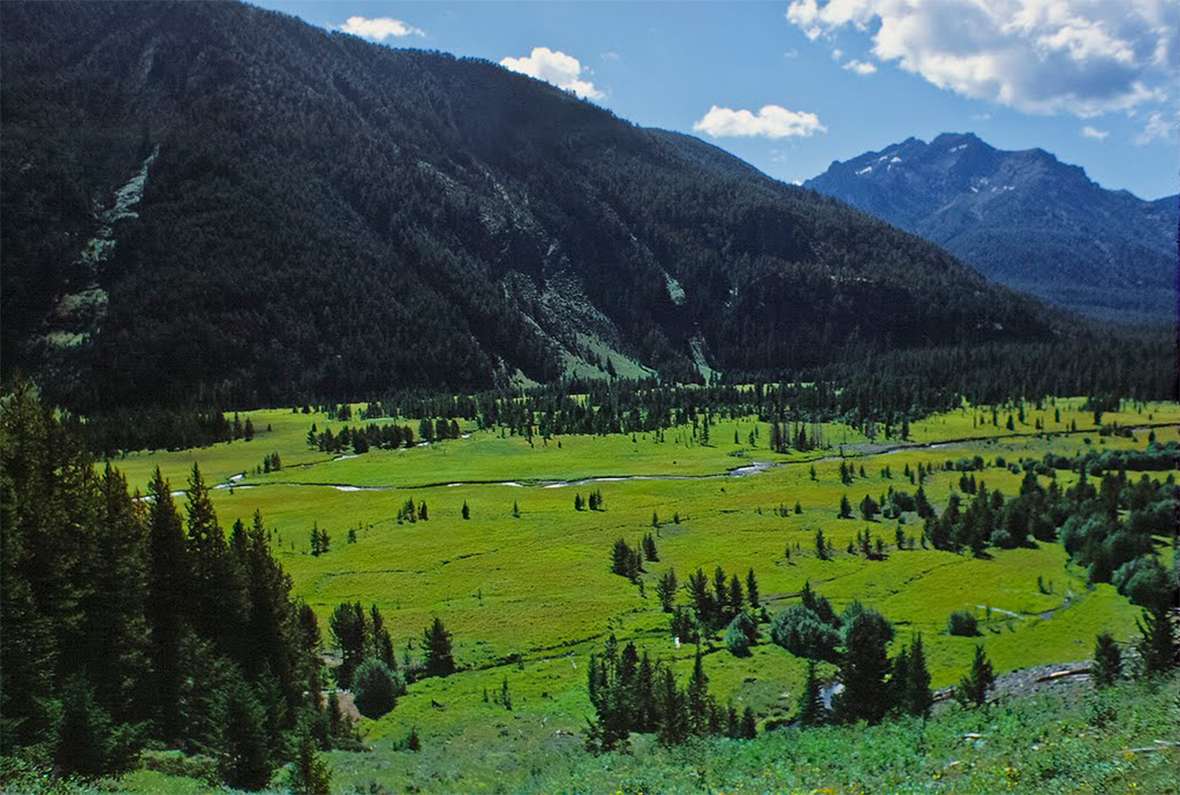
[(1024, 219), (219, 203)]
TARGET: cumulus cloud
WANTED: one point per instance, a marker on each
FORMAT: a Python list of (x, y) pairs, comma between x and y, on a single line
[(1083, 57), (554, 66), (771, 121), (1094, 133), (380, 28), (860, 67), (1160, 126)]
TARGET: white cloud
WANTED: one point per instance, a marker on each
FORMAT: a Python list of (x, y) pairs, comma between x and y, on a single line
[(554, 66), (771, 121), (791, 53), (380, 28), (1160, 127), (981, 117), (837, 54), (611, 55), (860, 67), (1084, 57), (1094, 133)]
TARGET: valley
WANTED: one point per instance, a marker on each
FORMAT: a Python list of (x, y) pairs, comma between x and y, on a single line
[(525, 585)]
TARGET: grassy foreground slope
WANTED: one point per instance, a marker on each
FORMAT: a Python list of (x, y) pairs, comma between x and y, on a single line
[(1123, 740), (1095, 743)]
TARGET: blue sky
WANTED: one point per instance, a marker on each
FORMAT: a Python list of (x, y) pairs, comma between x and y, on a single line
[(1096, 82)]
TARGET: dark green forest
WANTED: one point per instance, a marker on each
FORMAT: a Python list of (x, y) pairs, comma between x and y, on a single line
[(130, 622)]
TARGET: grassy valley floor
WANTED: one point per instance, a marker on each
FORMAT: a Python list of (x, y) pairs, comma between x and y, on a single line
[(525, 586)]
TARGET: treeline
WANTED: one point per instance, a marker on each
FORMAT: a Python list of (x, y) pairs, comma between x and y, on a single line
[(875, 401), (382, 436), (127, 623), (108, 433)]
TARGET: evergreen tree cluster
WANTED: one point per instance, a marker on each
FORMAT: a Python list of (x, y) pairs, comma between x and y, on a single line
[(1109, 529), (714, 604), (626, 561), (594, 502), (633, 693), (128, 622)]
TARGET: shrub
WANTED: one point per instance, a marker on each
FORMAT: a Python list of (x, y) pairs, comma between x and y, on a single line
[(962, 623), (741, 632), (376, 688), (800, 631), (1144, 581)]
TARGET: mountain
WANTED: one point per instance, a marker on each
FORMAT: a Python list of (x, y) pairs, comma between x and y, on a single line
[(212, 202), (1024, 219)]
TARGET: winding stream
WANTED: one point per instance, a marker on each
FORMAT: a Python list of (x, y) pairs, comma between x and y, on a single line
[(862, 450)]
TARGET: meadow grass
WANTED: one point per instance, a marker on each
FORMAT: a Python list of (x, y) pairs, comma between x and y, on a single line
[(529, 597)]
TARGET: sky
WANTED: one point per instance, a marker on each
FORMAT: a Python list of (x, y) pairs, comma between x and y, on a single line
[(791, 86)]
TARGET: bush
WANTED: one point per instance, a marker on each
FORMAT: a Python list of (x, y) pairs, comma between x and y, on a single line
[(962, 623), (1144, 581), (376, 688), (741, 632), (800, 631)]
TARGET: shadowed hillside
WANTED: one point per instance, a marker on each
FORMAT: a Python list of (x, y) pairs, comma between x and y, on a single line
[(213, 202)]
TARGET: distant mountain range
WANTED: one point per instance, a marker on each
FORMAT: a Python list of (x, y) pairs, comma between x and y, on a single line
[(210, 201), (1024, 219)]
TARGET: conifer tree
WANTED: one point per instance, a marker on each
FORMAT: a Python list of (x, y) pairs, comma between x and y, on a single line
[(245, 761), (749, 725), (674, 720), (168, 578), (666, 590), (115, 612), (973, 688), (309, 775), (697, 698), (439, 657), (918, 697), (811, 705), (1108, 661), (1157, 647), (864, 665), (752, 593)]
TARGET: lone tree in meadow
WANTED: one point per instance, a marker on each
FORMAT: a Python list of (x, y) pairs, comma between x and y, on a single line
[(821, 545), (845, 508), (439, 658), (666, 590), (962, 623)]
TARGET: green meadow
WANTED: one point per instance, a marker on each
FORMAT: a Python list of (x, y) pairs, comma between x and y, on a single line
[(525, 583)]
